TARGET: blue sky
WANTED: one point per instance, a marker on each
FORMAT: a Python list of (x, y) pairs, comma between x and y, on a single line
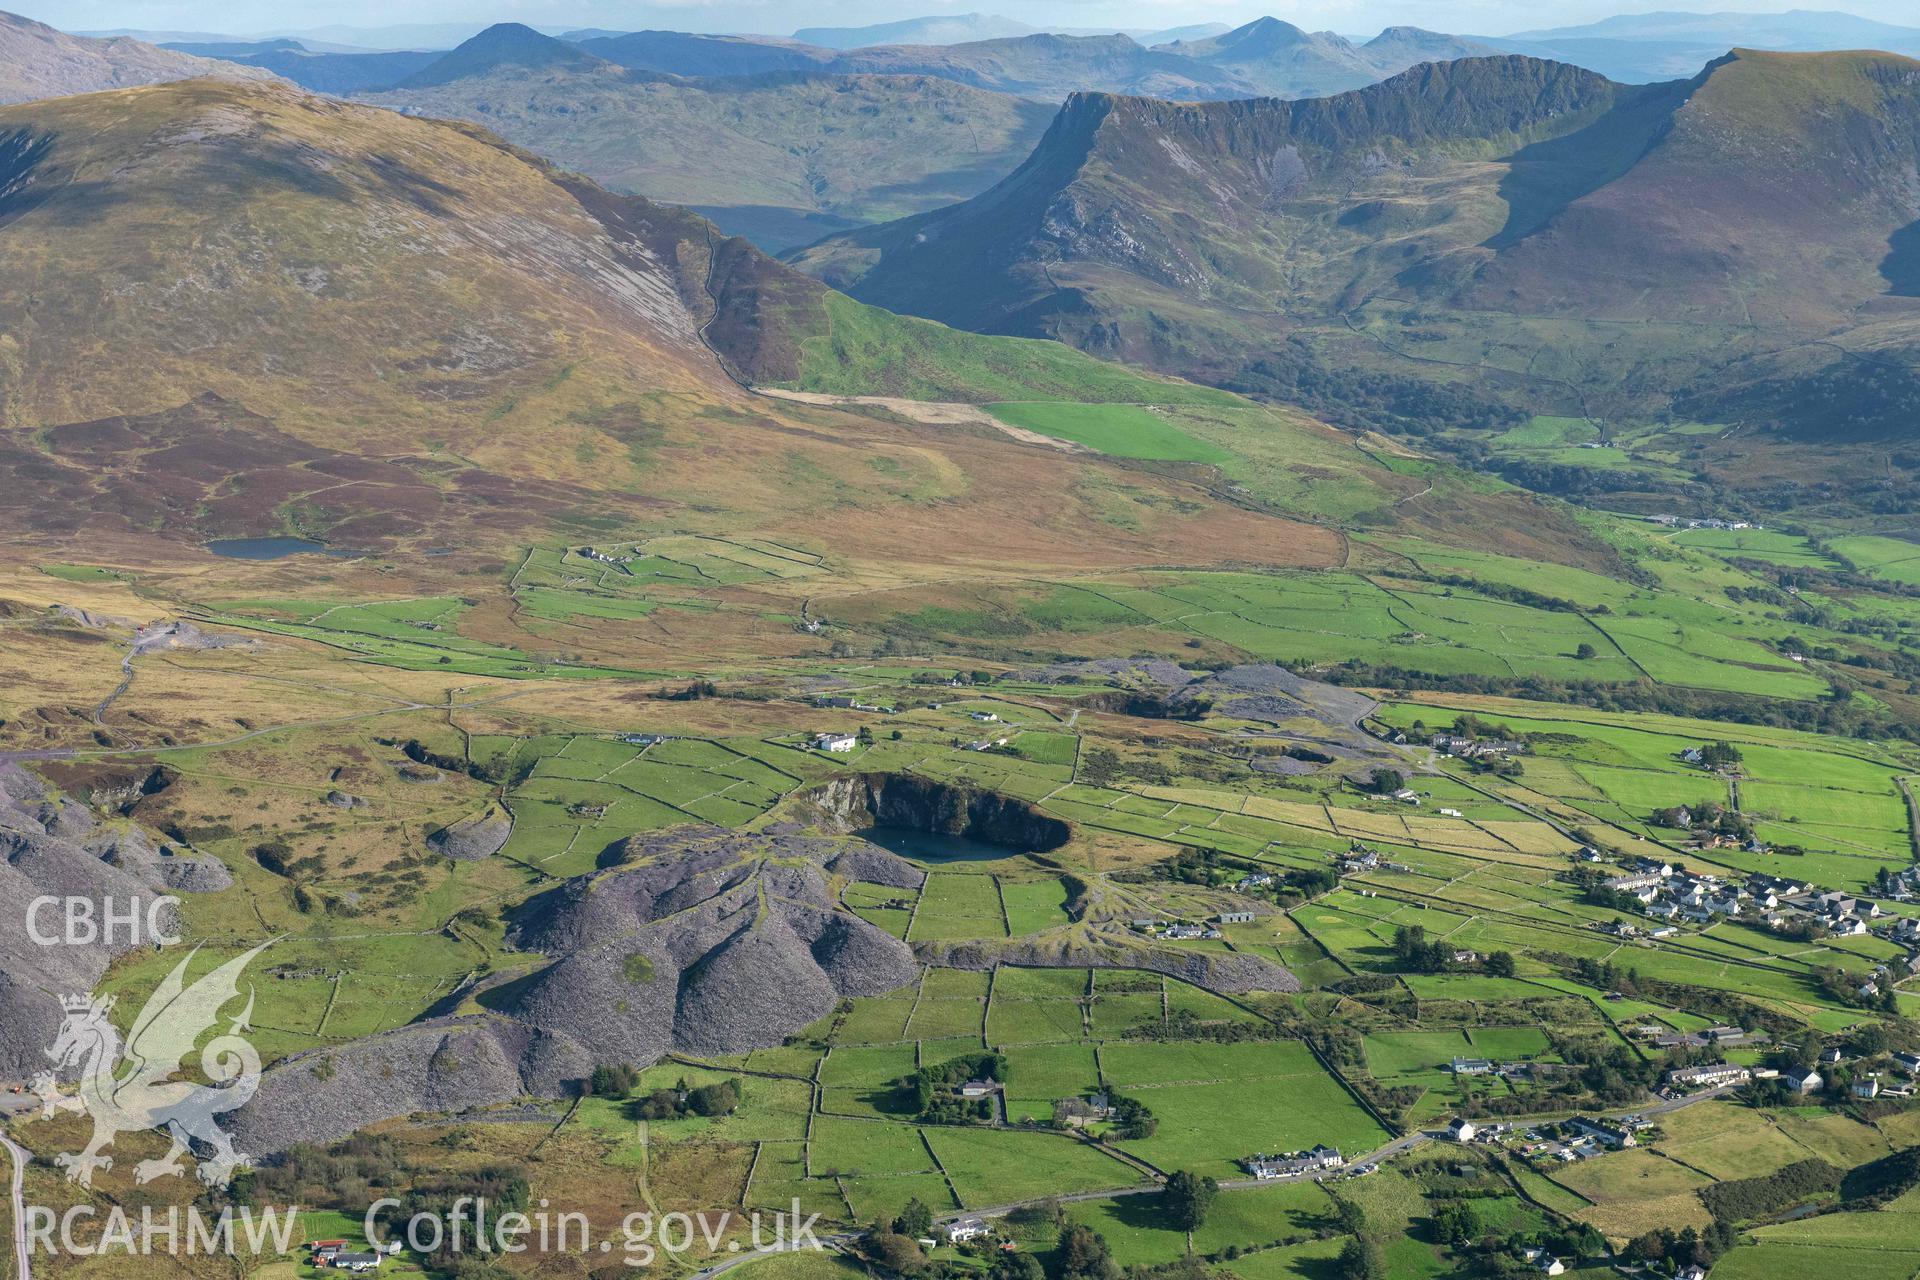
[(1490, 17)]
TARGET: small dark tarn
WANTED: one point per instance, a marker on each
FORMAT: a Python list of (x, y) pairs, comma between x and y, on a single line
[(929, 846), (273, 548)]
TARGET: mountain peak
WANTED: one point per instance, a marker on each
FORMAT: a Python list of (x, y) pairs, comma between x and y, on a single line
[(504, 44), (1260, 36)]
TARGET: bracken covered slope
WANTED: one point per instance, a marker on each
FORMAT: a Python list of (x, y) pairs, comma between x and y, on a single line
[(239, 309)]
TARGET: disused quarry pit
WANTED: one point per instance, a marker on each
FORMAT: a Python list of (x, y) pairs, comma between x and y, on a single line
[(865, 803)]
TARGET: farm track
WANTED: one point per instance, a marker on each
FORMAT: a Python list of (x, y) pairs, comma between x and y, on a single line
[(22, 1256)]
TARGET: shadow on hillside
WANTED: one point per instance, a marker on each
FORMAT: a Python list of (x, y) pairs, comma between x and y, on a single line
[(1901, 266), (1543, 178)]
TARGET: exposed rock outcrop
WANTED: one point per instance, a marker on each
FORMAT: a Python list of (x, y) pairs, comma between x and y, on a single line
[(164, 870), (913, 803), (474, 838)]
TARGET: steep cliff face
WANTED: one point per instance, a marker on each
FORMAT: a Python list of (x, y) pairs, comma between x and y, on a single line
[(911, 803)]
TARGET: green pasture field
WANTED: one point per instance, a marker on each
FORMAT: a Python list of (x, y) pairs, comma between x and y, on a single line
[(1779, 1260), (989, 1168), (957, 904), (1034, 906), (1033, 1021), (1124, 430), (1894, 559)]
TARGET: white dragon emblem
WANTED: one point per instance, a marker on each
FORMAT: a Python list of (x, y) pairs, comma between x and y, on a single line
[(144, 1095)]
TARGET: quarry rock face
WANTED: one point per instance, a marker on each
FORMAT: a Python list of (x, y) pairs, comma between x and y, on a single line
[(913, 803)]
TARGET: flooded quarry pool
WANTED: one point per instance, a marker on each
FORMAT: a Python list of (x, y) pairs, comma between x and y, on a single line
[(932, 821)]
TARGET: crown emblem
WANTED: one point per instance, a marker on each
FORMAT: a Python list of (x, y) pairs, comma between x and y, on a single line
[(83, 1004)]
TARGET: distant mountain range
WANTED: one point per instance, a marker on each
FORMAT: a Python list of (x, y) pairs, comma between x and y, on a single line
[(1640, 48), (965, 28), (37, 61), (1264, 58), (787, 142), (783, 156), (1746, 242)]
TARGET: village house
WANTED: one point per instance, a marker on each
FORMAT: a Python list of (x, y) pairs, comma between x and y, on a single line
[(1867, 1086), (1235, 917), (979, 1088), (1078, 1113), (1604, 1132), (1461, 1129), (835, 742), (1713, 1075), (1256, 880), (1542, 1261), (1803, 1080), (1294, 1164), (960, 1230), (1471, 1067)]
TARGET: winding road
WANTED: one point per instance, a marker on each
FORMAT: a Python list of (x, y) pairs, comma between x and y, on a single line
[(22, 1260)]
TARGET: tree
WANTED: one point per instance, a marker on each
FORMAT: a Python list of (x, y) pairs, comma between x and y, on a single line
[(1388, 781), (1361, 1259), (1719, 755), (1455, 1222), (1414, 952), (1084, 1255), (1018, 1266), (1585, 651), (1500, 964), (715, 1099), (1188, 1196), (895, 1252), (615, 1080), (915, 1220)]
